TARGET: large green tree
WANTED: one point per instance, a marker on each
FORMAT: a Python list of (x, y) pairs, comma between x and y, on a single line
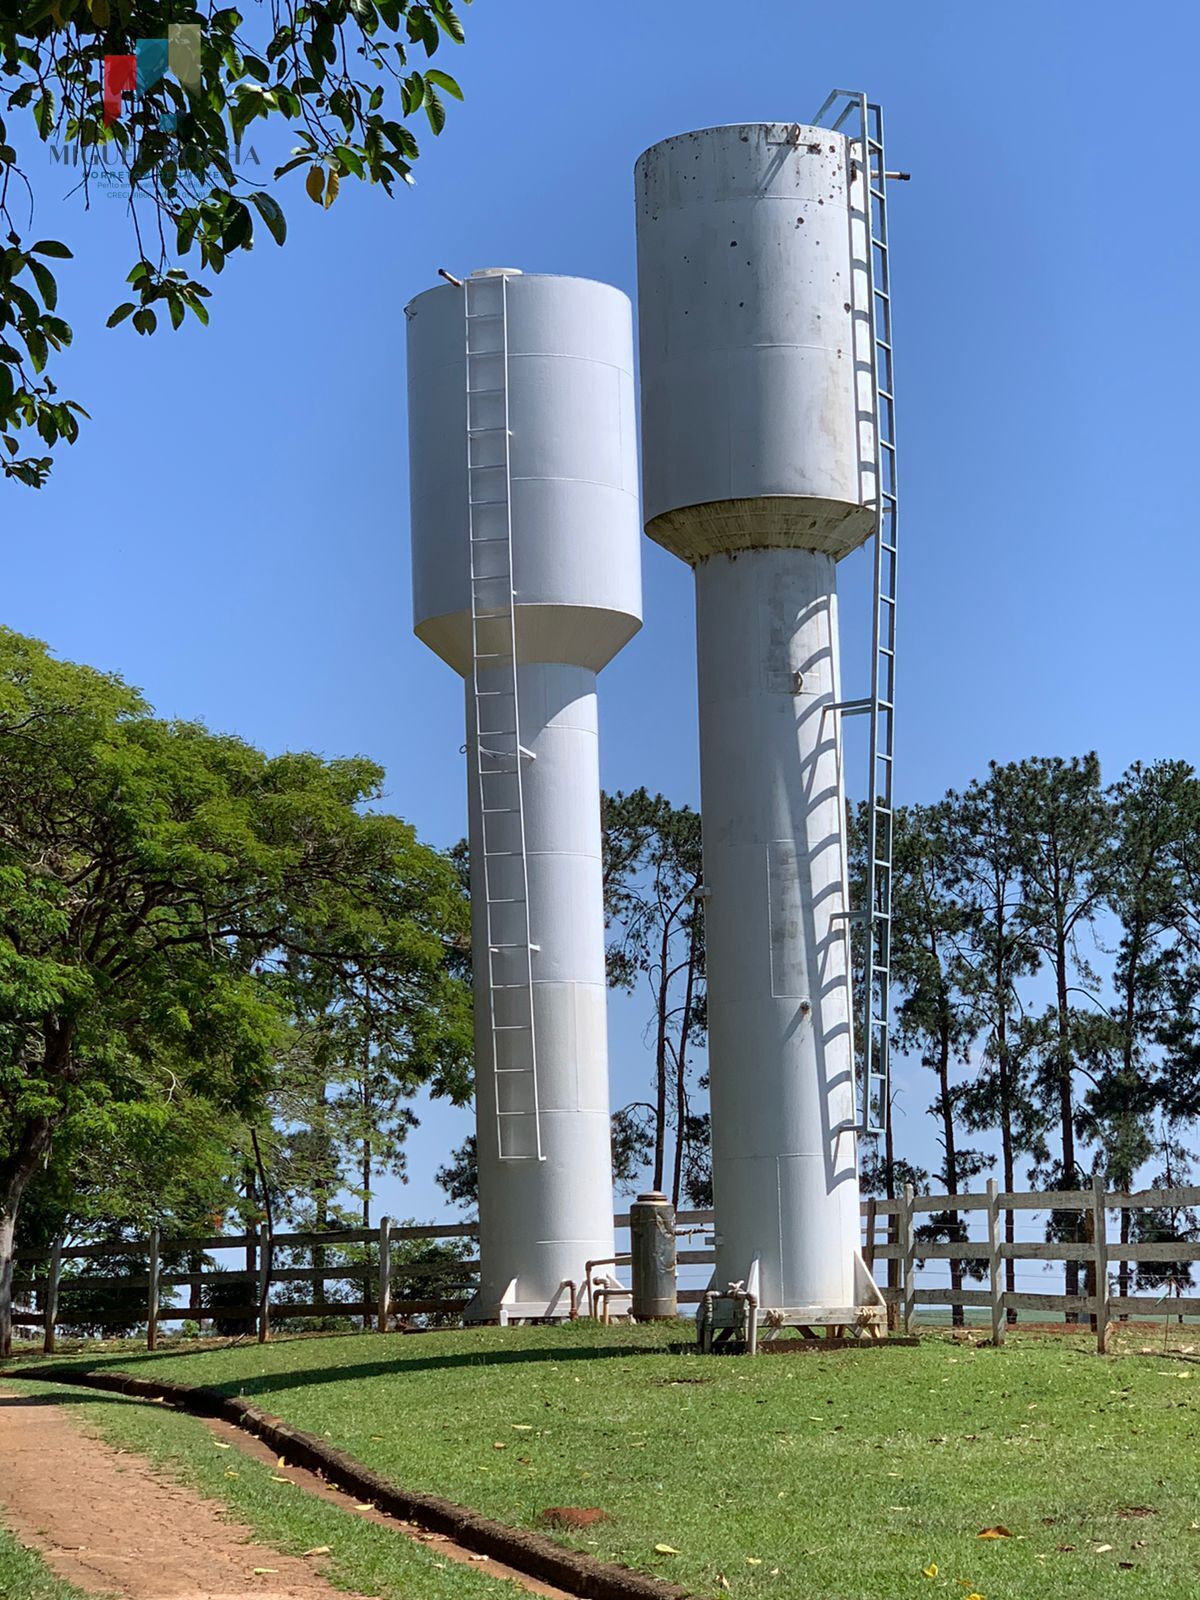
[(344, 76), (932, 927), (165, 894), (652, 878)]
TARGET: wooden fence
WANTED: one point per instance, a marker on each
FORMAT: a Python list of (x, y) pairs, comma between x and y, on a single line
[(1097, 1251)]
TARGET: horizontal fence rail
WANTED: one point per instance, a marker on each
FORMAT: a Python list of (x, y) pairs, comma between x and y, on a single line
[(987, 1258)]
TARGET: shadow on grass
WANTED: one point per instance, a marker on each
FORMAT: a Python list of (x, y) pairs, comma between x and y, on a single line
[(301, 1378), (66, 1397)]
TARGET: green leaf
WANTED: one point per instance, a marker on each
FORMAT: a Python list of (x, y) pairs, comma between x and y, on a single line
[(239, 230), (447, 20), (350, 160), (36, 345), (175, 306), (444, 81), (120, 314), (435, 109), (43, 114), (47, 287), (51, 247), (144, 320), (7, 389), (271, 212), (314, 184)]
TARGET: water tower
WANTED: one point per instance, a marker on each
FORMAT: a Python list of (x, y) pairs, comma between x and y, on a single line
[(768, 454), (527, 580)]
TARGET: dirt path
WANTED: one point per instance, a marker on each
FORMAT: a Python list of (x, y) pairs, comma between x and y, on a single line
[(102, 1520)]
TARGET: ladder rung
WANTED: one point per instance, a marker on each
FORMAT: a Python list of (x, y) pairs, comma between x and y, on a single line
[(511, 1027)]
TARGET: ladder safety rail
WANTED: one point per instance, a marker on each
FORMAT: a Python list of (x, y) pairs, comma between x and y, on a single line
[(871, 302), (499, 754)]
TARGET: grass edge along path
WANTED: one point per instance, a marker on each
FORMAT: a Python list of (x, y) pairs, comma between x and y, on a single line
[(25, 1576), (531, 1553)]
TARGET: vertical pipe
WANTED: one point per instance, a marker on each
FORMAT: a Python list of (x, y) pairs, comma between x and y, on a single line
[(652, 1258)]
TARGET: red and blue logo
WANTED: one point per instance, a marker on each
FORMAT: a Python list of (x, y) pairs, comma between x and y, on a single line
[(178, 54)]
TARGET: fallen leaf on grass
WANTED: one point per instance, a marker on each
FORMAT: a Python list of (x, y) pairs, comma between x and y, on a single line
[(230, 1473), (931, 1571), (754, 1561), (998, 1532), (275, 1478), (364, 1505), (666, 1550), (318, 1550), (281, 1463), (499, 1444), (1102, 1549), (261, 1572), (221, 1446), (522, 1427)]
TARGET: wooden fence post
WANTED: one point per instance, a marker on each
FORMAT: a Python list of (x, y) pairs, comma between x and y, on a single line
[(50, 1309), (908, 1287), (152, 1293), (385, 1274), (1100, 1230), (995, 1265), (869, 1241), (264, 1286)]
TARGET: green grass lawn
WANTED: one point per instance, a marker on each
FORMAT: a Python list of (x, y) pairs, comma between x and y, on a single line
[(24, 1577), (839, 1476)]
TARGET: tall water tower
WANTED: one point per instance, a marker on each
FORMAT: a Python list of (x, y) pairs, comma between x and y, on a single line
[(527, 580), (768, 456)]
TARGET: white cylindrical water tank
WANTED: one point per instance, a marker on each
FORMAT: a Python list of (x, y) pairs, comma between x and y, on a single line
[(756, 472), (551, 373)]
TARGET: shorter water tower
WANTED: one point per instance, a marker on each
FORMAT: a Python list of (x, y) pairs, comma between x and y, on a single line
[(765, 322), (527, 581)]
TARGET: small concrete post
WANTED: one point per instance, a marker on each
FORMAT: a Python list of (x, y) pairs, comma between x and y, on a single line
[(908, 1275), (653, 1258), (995, 1264), (385, 1274), (152, 1293), (50, 1309), (1100, 1232)]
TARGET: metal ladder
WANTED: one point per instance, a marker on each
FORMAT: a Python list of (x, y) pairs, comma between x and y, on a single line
[(871, 300), (499, 753)]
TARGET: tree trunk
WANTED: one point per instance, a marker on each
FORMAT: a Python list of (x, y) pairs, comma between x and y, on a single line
[(660, 1062), (33, 1144), (685, 1029), (950, 1175), (1066, 1108), (1005, 1083), (321, 1218)]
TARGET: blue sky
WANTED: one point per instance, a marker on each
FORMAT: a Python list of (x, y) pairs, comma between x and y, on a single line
[(231, 531)]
